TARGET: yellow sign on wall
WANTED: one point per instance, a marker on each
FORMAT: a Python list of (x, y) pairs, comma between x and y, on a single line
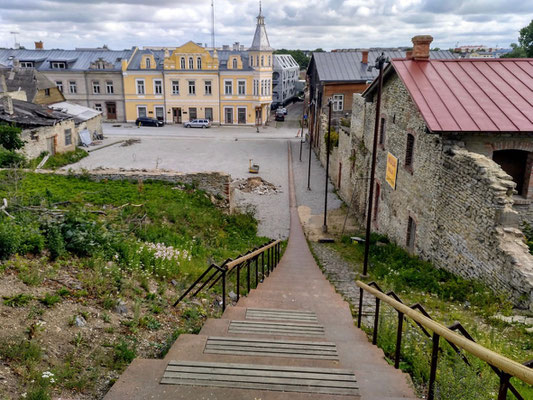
[(392, 170)]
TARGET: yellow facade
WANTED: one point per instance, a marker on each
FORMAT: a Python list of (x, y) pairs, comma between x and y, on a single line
[(192, 82)]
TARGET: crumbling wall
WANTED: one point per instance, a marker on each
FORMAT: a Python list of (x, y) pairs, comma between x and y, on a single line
[(37, 138)]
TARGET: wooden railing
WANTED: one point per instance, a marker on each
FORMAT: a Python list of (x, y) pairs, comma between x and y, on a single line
[(504, 367), (269, 255)]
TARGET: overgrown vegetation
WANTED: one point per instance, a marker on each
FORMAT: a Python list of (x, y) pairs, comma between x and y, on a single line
[(528, 232), (61, 159), (333, 139), (10, 142), (98, 265), (448, 298)]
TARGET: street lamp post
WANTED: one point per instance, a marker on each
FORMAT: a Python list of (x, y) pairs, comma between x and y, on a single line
[(311, 134), (380, 61), (328, 144)]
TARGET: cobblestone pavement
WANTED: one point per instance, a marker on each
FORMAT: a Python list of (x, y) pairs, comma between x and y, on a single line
[(342, 275)]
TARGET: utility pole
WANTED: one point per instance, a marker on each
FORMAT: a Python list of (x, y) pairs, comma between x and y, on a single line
[(328, 144), (311, 134), (380, 61), (213, 24)]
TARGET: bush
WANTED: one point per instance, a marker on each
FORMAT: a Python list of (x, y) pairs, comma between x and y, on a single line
[(10, 138), (9, 158), (54, 241), (82, 236), (32, 241), (334, 138), (61, 159), (10, 238)]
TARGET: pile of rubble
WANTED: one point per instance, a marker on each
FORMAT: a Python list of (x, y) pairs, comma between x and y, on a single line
[(257, 185)]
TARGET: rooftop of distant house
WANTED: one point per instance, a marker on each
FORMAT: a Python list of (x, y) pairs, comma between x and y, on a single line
[(29, 115)]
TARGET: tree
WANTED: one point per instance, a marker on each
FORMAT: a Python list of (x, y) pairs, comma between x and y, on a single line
[(298, 55), (524, 48), (10, 137)]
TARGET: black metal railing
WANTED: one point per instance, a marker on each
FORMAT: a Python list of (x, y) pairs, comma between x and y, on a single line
[(264, 259), (504, 367)]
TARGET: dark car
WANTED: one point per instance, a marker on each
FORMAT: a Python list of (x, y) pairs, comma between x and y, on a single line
[(280, 115), (147, 121), (275, 105)]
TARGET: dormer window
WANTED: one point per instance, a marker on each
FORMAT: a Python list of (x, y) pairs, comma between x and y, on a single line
[(58, 65), (234, 63), (199, 63), (26, 64), (147, 62), (191, 63), (182, 62)]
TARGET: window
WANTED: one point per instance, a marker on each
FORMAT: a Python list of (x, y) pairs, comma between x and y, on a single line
[(228, 87), (147, 62), (269, 60), (209, 113), (252, 61), (191, 63), (199, 63), (192, 113), (262, 87), (257, 60), (241, 115), (409, 151), (26, 64), (234, 63), (109, 87), (262, 61), (158, 86), (256, 87), (338, 102), (382, 132), (47, 92), (175, 87), (68, 137), (192, 87), (411, 234), (96, 87), (72, 87), (59, 85), (98, 107), (141, 111), (182, 62), (242, 88), (58, 65), (207, 87), (140, 86)]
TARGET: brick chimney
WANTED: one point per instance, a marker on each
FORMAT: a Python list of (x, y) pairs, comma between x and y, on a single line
[(364, 55), (409, 54), (7, 103), (39, 45), (421, 47)]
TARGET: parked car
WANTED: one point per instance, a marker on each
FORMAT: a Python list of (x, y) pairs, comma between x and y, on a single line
[(198, 123), (147, 121), (283, 110), (280, 116)]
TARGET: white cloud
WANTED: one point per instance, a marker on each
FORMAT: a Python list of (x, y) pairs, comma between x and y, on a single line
[(290, 24)]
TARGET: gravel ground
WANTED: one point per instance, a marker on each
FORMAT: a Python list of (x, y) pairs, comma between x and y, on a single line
[(342, 275)]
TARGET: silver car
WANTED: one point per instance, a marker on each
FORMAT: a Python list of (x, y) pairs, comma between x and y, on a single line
[(198, 123)]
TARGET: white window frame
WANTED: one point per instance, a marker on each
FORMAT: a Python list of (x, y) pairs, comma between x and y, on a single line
[(208, 84), (191, 63), (226, 86), (58, 65), (72, 87), (147, 63), (96, 87), (160, 108), (338, 102), (182, 63), (241, 84), (198, 62), (59, 85), (68, 137), (98, 107), (176, 88), (139, 83), (232, 115), (192, 85), (235, 63), (109, 87), (26, 64), (145, 111), (158, 85)]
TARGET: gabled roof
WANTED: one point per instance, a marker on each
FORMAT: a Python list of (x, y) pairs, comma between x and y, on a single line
[(471, 95), (260, 42), (347, 66), (27, 80)]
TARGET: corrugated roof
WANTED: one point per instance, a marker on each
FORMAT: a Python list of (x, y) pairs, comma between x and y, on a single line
[(79, 112), (78, 60), (347, 66), (26, 114), (471, 95)]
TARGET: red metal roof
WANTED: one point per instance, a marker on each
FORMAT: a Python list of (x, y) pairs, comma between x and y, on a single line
[(471, 95)]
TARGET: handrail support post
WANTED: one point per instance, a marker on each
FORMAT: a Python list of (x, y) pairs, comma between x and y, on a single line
[(433, 369), (376, 323), (398, 341)]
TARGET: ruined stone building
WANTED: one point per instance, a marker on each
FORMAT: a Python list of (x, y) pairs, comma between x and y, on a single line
[(454, 179)]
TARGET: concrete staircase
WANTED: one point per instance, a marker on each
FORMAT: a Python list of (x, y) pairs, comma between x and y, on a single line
[(291, 338)]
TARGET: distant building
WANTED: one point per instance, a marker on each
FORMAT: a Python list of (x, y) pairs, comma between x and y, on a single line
[(285, 78), (29, 85), (89, 77)]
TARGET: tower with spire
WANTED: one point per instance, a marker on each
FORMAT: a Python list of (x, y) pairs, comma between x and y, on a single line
[(261, 60)]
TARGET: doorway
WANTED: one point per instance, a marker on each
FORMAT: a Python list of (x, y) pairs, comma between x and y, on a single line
[(111, 109), (176, 115), (241, 115), (228, 113), (51, 145), (160, 113), (514, 162), (258, 116)]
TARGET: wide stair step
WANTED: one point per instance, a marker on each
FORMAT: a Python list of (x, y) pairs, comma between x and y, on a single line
[(262, 377), (276, 328)]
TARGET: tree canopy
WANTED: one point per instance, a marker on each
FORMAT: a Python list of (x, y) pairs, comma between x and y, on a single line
[(524, 48), (300, 56)]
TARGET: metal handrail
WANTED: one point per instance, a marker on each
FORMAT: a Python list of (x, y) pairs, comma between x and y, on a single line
[(220, 273), (507, 367)]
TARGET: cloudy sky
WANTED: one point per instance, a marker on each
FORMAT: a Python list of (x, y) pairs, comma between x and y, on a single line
[(304, 24)]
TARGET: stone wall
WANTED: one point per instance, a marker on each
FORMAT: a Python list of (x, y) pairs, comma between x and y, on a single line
[(460, 200), (40, 139), (216, 184)]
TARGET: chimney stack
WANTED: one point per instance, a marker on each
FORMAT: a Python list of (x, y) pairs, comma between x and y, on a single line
[(409, 54), (365, 57), (39, 45), (7, 103), (3, 85), (421, 47)]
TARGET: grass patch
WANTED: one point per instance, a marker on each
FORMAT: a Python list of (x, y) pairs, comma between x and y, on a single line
[(448, 298), (61, 159), (18, 300)]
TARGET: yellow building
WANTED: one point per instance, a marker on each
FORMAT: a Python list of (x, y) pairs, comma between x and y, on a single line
[(228, 86)]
